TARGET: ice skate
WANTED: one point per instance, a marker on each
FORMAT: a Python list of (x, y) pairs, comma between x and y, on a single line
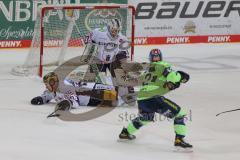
[(125, 135), (182, 146)]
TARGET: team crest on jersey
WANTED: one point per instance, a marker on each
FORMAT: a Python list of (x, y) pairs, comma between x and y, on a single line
[(70, 95)]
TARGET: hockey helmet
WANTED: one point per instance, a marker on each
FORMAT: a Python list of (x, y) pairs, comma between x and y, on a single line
[(114, 27), (51, 81), (155, 55)]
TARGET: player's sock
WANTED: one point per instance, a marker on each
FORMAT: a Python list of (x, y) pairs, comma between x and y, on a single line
[(180, 130), (179, 124)]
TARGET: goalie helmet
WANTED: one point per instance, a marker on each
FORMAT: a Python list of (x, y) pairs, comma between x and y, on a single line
[(155, 55), (51, 81), (114, 27)]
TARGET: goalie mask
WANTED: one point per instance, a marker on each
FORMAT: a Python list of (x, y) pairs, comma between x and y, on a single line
[(51, 81), (114, 27)]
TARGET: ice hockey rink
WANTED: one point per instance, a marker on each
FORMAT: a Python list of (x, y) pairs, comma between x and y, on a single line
[(26, 133)]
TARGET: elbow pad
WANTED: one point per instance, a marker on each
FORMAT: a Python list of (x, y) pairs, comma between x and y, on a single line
[(166, 72), (173, 80), (173, 77)]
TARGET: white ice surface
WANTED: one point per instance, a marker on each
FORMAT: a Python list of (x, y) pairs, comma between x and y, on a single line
[(26, 134)]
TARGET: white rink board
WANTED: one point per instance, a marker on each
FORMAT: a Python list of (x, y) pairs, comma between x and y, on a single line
[(184, 17), (26, 134)]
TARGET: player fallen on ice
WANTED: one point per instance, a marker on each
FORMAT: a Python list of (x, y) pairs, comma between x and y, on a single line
[(111, 53), (160, 79), (93, 95)]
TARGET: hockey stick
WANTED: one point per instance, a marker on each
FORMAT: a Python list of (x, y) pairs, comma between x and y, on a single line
[(228, 111), (53, 114)]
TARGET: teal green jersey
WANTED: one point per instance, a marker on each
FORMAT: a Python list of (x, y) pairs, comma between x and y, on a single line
[(155, 78)]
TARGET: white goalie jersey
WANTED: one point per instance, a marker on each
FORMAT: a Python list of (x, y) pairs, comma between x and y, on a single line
[(107, 46)]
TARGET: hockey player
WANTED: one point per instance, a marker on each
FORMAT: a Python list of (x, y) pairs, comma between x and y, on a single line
[(109, 40), (94, 94), (160, 79), (110, 54)]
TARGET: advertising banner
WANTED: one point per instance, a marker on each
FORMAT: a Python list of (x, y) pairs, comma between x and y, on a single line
[(157, 21), (185, 21), (17, 18)]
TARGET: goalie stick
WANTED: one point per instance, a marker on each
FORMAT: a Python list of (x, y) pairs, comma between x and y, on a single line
[(89, 55), (228, 111)]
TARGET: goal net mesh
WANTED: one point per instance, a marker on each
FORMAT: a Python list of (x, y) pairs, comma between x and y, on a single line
[(60, 30)]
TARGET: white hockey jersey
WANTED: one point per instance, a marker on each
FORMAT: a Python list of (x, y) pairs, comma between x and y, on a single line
[(107, 46), (77, 100)]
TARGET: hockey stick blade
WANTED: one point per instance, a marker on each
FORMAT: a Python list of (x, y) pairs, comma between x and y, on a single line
[(227, 111), (53, 115)]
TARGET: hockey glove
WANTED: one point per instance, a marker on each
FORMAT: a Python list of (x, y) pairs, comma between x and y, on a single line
[(37, 100), (171, 86), (64, 105), (184, 76)]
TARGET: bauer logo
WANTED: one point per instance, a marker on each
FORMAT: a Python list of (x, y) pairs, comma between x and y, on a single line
[(99, 18), (180, 8)]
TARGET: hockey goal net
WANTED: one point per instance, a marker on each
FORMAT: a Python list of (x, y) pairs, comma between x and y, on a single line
[(60, 30)]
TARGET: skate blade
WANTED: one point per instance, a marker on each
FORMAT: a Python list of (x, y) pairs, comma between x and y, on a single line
[(125, 140), (183, 150)]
